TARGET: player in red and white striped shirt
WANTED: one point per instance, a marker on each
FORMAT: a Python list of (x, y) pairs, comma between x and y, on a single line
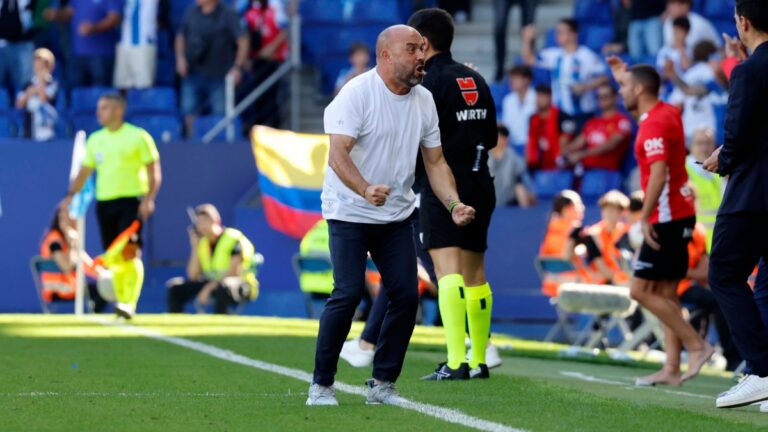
[(667, 218)]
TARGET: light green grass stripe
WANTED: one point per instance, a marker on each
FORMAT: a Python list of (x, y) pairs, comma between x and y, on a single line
[(445, 414)]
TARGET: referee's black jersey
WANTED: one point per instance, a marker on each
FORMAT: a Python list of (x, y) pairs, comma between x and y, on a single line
[(466, 111)]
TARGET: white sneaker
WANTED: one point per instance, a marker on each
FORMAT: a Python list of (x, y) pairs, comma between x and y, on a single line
[(124, 310), (492, 357), (356, 356), (321, 396), (749, 390), (764, 407)]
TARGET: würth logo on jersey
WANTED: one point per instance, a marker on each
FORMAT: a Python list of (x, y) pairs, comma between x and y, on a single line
[(468, 90)]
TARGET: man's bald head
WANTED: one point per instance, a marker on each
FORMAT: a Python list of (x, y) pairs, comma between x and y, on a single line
[(394, 35), (400, 57)]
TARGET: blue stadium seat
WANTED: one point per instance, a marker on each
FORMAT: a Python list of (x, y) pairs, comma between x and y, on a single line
[(322, 11), (5, 126), (550, 39), (541, 76), (597, 182), (203, 124), (85, 99), (330, 68), (86, 122), (725, 25), (549, 183), (595, 36), (5, 101), (162, 127), (156, 100), (376, 12), (165, 72), (498, 91), (593, 11), (714, 9)]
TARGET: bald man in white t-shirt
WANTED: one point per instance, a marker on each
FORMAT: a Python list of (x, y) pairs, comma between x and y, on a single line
[(377, 125)]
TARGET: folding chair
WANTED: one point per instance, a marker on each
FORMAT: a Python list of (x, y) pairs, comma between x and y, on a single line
[(320, 263), (552, 266)]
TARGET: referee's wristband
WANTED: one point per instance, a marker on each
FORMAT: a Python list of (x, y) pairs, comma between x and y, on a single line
[(452, 205)]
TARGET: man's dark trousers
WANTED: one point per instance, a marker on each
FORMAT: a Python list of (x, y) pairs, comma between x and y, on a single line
[(392, 250), (740, 240)]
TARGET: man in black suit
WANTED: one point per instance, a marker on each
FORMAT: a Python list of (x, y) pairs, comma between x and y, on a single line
[(741, 230)]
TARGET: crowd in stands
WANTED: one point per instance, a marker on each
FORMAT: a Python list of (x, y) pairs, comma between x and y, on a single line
[(562, 110), (57, 56)]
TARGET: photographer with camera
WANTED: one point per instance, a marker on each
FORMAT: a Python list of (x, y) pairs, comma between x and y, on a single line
[(221, 266)]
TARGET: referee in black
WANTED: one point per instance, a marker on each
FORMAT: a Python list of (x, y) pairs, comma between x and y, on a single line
[(468, 129)]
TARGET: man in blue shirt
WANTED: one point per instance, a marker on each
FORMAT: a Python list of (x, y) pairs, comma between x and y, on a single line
[(95, 25)]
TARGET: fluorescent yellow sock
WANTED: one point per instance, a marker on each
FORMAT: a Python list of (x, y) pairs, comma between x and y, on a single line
[(134, 280), (479, 303), (119, 275), (453, 312)]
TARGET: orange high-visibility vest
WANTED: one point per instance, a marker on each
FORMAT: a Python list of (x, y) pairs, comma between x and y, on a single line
[(697, 248), (62, 284), (554, 244), (611, 255)]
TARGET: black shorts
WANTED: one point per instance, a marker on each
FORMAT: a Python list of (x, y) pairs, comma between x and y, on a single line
[(671, 261), (115, 216), (437, 227)]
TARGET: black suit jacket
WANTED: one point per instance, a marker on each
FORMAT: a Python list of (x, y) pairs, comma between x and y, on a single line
[(744, 155)]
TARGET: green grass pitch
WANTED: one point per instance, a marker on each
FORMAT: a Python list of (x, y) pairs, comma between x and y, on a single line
[(62, 373)]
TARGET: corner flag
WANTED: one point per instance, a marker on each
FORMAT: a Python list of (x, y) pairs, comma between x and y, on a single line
[(77, 209)]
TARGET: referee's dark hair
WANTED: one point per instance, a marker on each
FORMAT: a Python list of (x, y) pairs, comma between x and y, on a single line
[(436, 25), (647, 76), (755, 11)]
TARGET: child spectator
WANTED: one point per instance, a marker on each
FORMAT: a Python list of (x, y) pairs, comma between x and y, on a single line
[(677, 52), (518, 106), (693, 91), (701, 28), (549, 129), (38, 98), (359, 60), (509, 174)]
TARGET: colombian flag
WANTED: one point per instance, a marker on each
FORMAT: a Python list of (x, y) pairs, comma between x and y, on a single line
[(291, 170)]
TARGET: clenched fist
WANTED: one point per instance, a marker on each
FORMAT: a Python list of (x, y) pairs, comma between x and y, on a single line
[(462, 214), (377, 194)]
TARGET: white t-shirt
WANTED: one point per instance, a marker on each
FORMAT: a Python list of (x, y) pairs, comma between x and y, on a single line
[(701, 29), (389, 129), (698, 112), (568, 69), (139, 23), (516, 115)]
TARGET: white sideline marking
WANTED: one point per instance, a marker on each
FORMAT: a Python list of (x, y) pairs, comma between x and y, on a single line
[(440, 413), (590, 378), (146, 395)]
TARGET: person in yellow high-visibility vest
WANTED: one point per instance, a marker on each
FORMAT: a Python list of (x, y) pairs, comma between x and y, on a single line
[(707, 186), (315, 244), (221, 266)]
